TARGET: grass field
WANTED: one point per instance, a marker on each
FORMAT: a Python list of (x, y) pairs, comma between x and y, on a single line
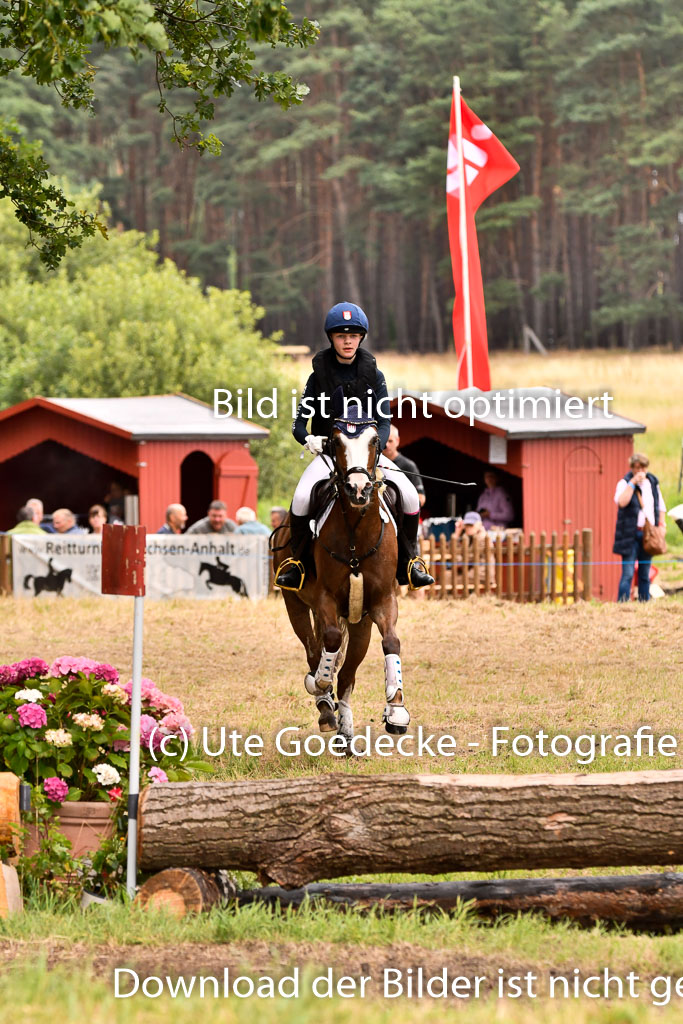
[(468, 666)]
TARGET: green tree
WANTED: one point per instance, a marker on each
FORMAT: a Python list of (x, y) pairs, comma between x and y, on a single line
[(112, 320), (203, 49)]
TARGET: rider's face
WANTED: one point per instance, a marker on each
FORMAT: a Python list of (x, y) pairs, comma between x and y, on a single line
[(345, 345)]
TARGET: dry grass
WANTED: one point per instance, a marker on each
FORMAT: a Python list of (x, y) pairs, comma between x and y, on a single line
[(467, 666)]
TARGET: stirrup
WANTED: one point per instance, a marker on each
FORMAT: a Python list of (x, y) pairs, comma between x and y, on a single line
[(418, 563), (286, 565)]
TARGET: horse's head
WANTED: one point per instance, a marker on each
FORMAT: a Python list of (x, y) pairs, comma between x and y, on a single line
[(355, 449)]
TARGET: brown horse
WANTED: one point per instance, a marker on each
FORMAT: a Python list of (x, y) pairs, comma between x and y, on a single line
[(353, 586)]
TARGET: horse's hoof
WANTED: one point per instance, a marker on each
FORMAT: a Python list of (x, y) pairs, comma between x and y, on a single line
[(309, 684), (396, 730), (327, 725)]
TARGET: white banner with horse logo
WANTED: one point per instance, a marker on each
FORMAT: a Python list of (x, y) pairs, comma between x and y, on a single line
[(227, 565)]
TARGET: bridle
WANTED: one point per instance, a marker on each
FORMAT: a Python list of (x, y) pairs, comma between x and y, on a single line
[(340, 483)]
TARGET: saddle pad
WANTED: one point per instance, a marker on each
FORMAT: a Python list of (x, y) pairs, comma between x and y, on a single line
[(384, 511)]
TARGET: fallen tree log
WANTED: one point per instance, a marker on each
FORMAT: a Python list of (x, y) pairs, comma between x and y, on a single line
[(295, 831), (179, 891), (642, 901)]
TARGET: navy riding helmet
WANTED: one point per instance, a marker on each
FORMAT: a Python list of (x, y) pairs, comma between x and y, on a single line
[(347, 317)]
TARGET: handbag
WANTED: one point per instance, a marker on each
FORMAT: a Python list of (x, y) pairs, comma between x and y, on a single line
[(653, 538)]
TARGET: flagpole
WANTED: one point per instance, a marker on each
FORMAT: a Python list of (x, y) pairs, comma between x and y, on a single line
[(464, 256)]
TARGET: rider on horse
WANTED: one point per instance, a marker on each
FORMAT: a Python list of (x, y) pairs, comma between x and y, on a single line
[(345, 364)]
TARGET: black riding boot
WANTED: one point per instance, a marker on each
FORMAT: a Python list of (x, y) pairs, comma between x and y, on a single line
[(292, 571), (411, 568)]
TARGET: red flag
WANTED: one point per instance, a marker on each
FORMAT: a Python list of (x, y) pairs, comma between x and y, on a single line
[(488, 165)]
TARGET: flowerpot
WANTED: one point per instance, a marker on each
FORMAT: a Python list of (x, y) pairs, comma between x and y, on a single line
[(85, 822)]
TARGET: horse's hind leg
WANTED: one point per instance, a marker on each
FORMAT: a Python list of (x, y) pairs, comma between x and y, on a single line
[(385, 614), (300, 618), (359, 641)]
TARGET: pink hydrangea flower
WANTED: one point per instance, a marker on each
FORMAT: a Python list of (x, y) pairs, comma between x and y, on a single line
[(157, 775), (154, 697), (123, 745), (29, 668), (55, 789), (173, 723), (67, 666), (32, 715), (147, 727), (8, 675)]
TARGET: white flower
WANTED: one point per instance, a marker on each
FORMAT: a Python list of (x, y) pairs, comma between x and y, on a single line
[(93, 721), (106, 774), (29, 695), (116, 692), (59, 738)]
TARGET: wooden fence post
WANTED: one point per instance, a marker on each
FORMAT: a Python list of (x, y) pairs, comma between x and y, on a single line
[(487, 565), (576, 589), (544, 569), (587, 560), (5, 565), (565, 546), (499, 564), (553, 567), (510, 559)]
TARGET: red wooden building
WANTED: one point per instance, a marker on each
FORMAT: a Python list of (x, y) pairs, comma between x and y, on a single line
[(559, 462), (163, 448)]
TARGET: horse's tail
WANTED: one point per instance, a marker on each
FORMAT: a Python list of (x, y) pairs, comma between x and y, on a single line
[(26, 581), (355, 598)]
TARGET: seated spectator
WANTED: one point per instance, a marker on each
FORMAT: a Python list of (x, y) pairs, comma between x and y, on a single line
[(248, 523), (216, 520), (97, 517), (494, 504), (26, 522), (64, 521), (176, 517), (277, 516), (37, 510)]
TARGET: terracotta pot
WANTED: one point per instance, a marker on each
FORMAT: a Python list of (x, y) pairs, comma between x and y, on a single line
[(85, 822)]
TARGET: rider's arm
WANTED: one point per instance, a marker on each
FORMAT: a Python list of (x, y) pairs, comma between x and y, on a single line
[(383, 422), (304, 413)]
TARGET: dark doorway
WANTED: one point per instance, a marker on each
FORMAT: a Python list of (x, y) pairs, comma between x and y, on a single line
[(196, 485), (60, 477), (436, 459)]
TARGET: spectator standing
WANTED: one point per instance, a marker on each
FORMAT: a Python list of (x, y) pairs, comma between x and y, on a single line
[(176, 517), (638, 497), (403, 463), (26, 522), (215, 521), (248, 523), (494, 505), (37, 510)]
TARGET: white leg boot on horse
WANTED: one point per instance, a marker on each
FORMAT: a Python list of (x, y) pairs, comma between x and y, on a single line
[(395, 717)]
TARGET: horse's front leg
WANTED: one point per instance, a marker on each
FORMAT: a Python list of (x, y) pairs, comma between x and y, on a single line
[(331, 657), (385, 614), (359, 641)]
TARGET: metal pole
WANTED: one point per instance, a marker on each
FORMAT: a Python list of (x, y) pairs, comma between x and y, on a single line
[(464, 256), (134, 777)]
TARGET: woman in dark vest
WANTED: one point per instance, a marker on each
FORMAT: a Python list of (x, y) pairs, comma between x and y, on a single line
[(345, 364), (628, 536)]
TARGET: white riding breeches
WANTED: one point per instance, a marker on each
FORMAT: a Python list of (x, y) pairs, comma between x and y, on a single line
[(320, 468)]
